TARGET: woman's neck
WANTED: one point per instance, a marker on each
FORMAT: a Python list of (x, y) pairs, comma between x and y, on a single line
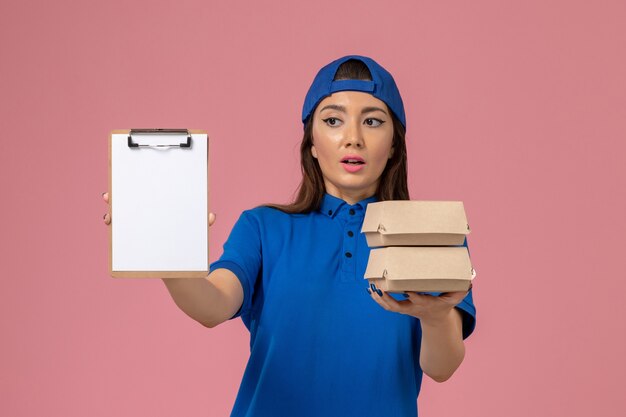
[(350, 196)]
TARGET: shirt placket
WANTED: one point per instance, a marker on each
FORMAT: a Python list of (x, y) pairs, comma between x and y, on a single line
[(352, 216)]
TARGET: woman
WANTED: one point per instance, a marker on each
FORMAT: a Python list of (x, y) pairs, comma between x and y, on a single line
[(322, 342)]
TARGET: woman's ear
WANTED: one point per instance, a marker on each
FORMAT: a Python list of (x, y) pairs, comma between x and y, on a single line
[(392, 151), (313, 151)]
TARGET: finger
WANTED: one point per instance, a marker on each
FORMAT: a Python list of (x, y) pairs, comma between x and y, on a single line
[(395, 305), (379, 301), (453, 294), (211, 219), (105, 196), (382, 298), (374, 294), (107, 218), (416, 298), (453, 298)]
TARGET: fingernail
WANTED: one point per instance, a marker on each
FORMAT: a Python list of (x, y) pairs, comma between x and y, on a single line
[(405, 295), (373, 287), (379, 292)]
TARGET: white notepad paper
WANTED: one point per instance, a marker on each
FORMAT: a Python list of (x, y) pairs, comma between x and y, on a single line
[(159, 203)]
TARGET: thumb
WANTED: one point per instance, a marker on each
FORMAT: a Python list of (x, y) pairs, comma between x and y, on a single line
[(211, 219)]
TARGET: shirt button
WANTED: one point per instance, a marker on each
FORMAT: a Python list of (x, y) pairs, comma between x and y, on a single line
[(330, 212), (351, 211), (350, 233), (348, 255)]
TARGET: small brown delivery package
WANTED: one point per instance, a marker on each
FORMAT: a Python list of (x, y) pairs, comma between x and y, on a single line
[(417, 246)]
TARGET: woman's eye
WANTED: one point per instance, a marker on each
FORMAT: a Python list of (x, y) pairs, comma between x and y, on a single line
[(373, 122), (331, 121)]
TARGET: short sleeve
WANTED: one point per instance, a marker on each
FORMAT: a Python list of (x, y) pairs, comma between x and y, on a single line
[(467, 309), (242, 256)]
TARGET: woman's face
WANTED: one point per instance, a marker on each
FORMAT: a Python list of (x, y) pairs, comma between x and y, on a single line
[(352, 125)]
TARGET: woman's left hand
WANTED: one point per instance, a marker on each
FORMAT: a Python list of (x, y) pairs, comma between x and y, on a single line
[(426, 307)]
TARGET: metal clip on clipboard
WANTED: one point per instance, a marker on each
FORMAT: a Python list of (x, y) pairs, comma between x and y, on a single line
[(131, 144)]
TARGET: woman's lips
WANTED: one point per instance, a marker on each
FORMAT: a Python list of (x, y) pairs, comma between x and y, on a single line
[(352, 167), (352, 162)]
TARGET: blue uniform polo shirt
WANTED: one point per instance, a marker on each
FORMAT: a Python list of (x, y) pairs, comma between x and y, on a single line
[(319, 345)]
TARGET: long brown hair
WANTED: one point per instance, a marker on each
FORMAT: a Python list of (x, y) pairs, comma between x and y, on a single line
[(393, 180)]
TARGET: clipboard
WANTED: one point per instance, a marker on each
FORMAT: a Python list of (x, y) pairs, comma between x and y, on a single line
[(159, 203)]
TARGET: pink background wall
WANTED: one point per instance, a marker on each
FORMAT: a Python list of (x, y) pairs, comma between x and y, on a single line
[(516, 108)]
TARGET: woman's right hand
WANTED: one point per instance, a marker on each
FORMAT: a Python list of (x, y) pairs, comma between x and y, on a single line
[(107, 216)]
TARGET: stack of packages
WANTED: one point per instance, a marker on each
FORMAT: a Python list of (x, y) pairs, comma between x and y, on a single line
[(417, 246)]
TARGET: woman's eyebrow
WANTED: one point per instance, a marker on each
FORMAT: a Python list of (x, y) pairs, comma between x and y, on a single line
[(341, 108), (334, 107), (369, 109)]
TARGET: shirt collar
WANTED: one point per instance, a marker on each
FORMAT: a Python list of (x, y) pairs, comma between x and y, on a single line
[(331, 205)]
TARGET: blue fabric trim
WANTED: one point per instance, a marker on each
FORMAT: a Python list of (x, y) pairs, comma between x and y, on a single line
[(352, 85), (239, 273), (468, 312)]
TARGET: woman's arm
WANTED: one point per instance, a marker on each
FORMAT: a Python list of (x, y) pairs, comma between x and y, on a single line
[(211, 300), (442, 348)]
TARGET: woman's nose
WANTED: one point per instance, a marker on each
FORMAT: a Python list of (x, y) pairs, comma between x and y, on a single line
[(354, 135)]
